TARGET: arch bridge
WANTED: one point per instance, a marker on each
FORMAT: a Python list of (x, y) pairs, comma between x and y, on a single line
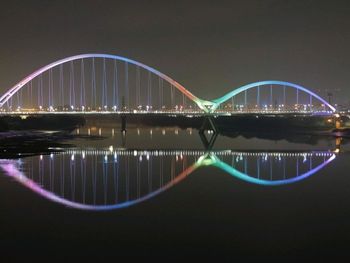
[(107, 83)]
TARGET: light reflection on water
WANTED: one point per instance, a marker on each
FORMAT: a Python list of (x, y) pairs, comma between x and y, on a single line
[(172, 137), (105, 179)]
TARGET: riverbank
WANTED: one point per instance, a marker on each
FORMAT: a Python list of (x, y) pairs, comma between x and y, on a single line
[(244, 123)]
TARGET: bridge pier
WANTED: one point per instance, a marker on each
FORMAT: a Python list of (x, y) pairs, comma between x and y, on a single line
[(123, 139), (123, 122), (338, 142), (208, 124)]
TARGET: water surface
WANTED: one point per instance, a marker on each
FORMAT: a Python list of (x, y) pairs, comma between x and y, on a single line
[(158, 190)]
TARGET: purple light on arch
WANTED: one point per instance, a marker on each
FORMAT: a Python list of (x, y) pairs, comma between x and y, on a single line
[(11, 170), (27, 79), (205, 105), (10, 167)]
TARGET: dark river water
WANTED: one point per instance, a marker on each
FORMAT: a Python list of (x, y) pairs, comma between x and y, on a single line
[(158, 192)]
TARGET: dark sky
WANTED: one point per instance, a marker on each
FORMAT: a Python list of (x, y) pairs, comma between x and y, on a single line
[(209, 47)]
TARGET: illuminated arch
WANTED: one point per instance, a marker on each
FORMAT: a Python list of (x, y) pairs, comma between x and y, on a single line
[(27, 79), (234, 92), (206, 105), (11, 169), (213, 160)]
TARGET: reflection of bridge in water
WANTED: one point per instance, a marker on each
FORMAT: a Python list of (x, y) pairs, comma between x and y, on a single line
[(102, 83), (111, 179)]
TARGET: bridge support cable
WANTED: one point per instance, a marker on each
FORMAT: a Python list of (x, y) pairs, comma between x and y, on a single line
[(297, 166), (271, 97), (93, 85), (160, 88), (149, 91), (149, 173), (310, 103), (271, 169), (297, 98), (127, 181), (310, 162), (72, 177), (233, 103), (161, 164), (105, 178), (138, 177), (94, 178), (183, 101), (62, 174), (116, 178), (71, 86), (60, 83), (83, 178), (31, 92), (115, 86), (18, 98), (82, 85), (138, 87), (126, 71), (104, 86), (172, 100), (40, 92), (51, 89)]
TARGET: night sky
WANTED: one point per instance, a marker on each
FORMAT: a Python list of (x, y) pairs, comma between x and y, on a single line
[(209, 47)]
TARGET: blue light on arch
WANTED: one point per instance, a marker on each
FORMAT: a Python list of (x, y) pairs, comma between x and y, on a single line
[(234, 92)]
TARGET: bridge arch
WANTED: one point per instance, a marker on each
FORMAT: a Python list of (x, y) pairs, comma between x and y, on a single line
[(213, 160), (14, 170), (11, 169), (5, 97), (229, 95)]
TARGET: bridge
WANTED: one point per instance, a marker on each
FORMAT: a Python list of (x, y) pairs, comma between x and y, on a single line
[(109, 84), (106, 179)]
